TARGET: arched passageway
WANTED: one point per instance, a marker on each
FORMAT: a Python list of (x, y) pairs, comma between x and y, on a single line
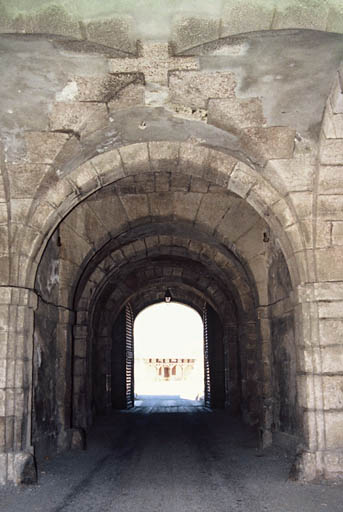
[(213, 174), (116, 252)]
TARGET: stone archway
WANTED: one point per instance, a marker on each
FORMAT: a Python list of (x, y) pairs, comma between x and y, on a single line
[(57, 231)]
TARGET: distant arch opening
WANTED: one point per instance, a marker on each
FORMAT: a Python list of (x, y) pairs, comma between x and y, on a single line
[(169, 354)]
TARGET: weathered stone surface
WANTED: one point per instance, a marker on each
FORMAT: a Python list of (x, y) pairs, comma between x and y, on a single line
[(312, 17), (234, 114), (331, 152), (331, 180), (193, 89), (25, 179), (42, 147), (133, 95), (154, 61), (113, 32), (245, 16), (135, 158), (337, 233), (330, 206), (333, 425), (191, 31), (77, 117), (270, 143)]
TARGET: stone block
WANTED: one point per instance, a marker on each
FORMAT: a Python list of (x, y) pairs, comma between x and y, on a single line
[(4, 245), (162, 182), (233, 114), (222, 166), (108, 208), (332, 125), (244, 16), (251, 243), (3, 195), (135, 158), (269, 143), (186, 205), (242, 179), (302, 202), (74, 248), (333, 392), (191, 31), (54, 19), (295, 174), (212, 209), (164, 156), (193, 159), (86, 224), (331, 152), (336, 96), (337, 233), (161, 204), (78, 117), (43, 147), (59, 192), (136, 206), (332, 358), (25, 179), (306, 390), (328, 291), (180, 182), (116, 32), (41, 214), (330, 264), (299, 15), (85, 178), (330, 309), (131, 96), (104, 89), (330, 331), (335, 19), (193, 89), (229, 228), (333, 429), (330, 180), (330, 207)]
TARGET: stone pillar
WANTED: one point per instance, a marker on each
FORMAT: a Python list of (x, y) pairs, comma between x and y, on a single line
[(63, 383), (319, 380), (17, 306), (266, 419)]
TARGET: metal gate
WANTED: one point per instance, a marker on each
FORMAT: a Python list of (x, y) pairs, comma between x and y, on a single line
[(206, 359), (129, 366)]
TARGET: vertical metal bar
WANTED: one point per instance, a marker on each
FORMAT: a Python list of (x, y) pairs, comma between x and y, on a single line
[(206, 359), (129, 357)]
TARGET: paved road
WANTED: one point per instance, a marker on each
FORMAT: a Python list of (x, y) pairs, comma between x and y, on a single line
[(150, 460)]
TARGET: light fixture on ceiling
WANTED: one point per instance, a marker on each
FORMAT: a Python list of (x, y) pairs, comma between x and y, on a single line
[(167, 296)]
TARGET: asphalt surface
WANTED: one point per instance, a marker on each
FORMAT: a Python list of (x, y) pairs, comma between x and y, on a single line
[(170, 455)]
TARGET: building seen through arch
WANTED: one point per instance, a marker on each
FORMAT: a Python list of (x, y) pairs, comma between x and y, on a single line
[(169, 352), (202, 155)]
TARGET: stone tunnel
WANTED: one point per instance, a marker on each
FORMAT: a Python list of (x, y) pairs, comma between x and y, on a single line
[(210, 167)]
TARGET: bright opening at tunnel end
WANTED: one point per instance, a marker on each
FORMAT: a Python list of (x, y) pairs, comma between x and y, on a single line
[(169, 352)]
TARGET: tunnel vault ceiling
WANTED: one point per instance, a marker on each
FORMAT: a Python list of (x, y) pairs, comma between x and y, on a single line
[(166, 216)]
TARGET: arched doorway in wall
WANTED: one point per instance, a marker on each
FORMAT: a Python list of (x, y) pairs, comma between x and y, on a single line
[(206, 243), (169, 354)]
